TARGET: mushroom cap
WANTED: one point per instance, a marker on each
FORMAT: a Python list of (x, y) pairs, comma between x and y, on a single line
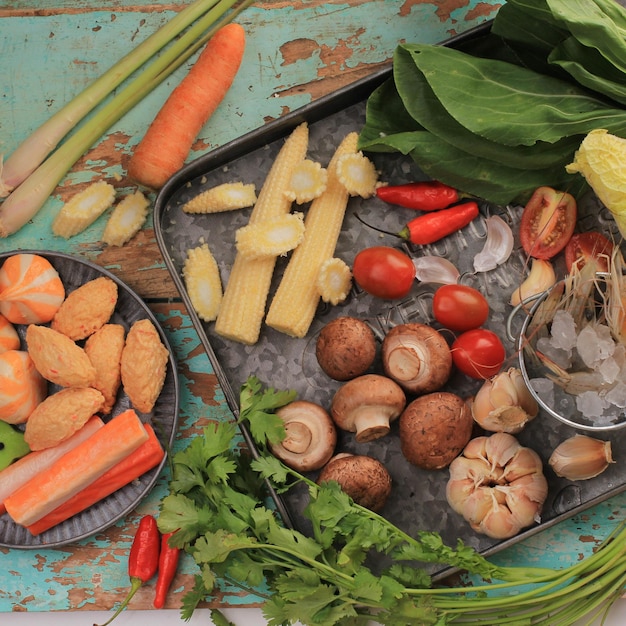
[(311, 436), (345, 348), (363, 478), (417, 357), (434, 429), (366, 405)]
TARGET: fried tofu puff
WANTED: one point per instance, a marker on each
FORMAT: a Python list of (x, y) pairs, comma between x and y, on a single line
[(60, 415), (86, 309), (143, 365), (59, 359), (104, 349)]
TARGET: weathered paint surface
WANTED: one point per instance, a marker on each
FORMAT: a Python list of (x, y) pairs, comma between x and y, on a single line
[(296, 52)]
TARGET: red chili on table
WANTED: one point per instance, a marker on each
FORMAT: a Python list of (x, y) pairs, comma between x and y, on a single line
[(434, 226), (168, 564), (143, 560), (429, 195)]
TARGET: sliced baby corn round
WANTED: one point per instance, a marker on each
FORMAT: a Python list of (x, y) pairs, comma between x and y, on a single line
[(308, 181), (225, 197), (334, 281), (83, 209), (203, 283), (271, 237), (126, 219), (357, 174)]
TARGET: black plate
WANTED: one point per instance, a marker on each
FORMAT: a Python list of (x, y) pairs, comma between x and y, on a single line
[(74, 272), (418, 499)]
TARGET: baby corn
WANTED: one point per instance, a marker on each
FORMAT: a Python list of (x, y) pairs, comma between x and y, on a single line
[(203, 283), (273, 237), (245, 297), (225, 197), (126, 219), (297, 296)]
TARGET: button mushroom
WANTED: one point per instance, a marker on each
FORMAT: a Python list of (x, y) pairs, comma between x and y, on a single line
[(311, 436), (417, 357), (366, 405), (345, 348), (434, 429), (363, 478)]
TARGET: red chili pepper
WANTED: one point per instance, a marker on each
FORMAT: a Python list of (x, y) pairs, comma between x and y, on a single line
[(429, 195), (168, 564), (434, 226), (143, 560)]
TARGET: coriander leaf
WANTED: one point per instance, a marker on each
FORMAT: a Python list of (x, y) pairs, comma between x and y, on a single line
[(292, 540), (179, 513), (367, 587), (270, 467), (242, 567), (219, 619), (214, 547), (219, 469), (192, 598)]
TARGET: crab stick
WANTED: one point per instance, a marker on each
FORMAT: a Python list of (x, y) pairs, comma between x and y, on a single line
[(77, 469), (34, 463), (142, 460)]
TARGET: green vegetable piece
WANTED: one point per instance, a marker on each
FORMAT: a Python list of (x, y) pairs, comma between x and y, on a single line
[(12, 445)]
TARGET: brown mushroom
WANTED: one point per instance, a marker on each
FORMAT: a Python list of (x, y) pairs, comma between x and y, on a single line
[(417, 357), (311, 436), (363, 478), (345, 348), (366, 405), (434, 429)]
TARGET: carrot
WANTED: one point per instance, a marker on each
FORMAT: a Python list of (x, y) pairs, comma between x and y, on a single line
[(143, 459), (167, 143), (77, 469), (20, 472)]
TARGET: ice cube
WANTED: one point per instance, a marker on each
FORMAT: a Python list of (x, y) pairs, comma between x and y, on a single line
[(590, 404), (563, 330)]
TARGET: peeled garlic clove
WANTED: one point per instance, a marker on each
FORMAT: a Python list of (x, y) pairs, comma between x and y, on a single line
[(581, 457), (498, 245), (540, 279)]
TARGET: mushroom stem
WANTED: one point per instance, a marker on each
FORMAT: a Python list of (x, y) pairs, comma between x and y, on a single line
[(371, 422)]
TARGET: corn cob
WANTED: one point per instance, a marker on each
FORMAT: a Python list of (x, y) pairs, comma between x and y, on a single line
[(245, 296), (126, 219), (307, 182), (225, 197), (296, 299), (272, 237), (83, 209), (334, 281), (357, 174), (203, 283)]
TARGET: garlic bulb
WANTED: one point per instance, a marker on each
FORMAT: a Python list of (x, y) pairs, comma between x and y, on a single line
[(497, 485), (504, 403), (581, 457)]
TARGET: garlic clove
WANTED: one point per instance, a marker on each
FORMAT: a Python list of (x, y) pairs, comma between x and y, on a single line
[(501, 448), (581, 457), (457, 492), (525, 461), (540, 278), (477, 505), (498, 523)]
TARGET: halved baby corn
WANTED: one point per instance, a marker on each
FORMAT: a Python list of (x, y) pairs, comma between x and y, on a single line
[(296, 299), (245, 297), (273, 237), (126, 219), (202, 279)]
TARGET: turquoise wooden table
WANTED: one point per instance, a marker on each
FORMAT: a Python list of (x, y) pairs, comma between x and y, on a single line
[(296, 51)]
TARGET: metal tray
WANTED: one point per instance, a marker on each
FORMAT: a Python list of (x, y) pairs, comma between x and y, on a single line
[(418, 499)]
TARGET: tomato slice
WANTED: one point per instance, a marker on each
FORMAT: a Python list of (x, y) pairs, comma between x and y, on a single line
[(547, 223), (460, 307), (583, 247), (478, 353), (384, 272)]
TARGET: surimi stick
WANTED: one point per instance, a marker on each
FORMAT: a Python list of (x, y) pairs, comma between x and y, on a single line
[(142, 460), (78, 468), (20, 472)]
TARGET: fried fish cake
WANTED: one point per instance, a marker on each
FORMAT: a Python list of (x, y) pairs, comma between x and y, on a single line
[(60, 415), (86, 309), (59, 359), (143, 365), (104, 349)]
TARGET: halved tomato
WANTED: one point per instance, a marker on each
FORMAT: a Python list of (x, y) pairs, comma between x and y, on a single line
[(585, 246), (548, 222)]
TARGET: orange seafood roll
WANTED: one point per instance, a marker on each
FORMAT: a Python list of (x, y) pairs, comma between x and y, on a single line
[(22, 387), (9, 339), (31, 290)]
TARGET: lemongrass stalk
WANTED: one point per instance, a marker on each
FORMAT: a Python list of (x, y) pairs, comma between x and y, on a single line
[(28, 198), (31, 153)]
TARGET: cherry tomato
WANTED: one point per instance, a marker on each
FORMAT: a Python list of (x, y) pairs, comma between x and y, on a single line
[(384, 272), (585, 246), (547, 222), (459, 307), (478, 353)]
